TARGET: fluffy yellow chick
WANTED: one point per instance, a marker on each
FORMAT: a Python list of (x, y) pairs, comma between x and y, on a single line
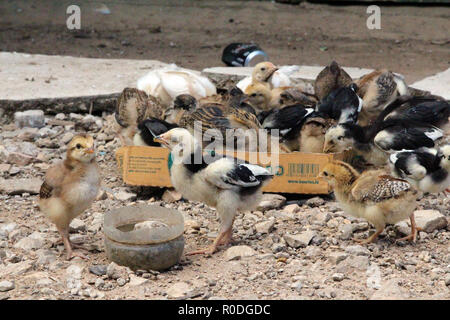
[(259, 96), (70, 187), (372, 195)]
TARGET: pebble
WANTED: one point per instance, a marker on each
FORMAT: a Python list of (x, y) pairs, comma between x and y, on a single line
[(125, 196), (338, 277), (65, 139), (271, 201), (299, 240), (238, 252), (390, 291), (33, 241), (315, 202), (336, 257), (179, 290), (357, 250), (6, 285), (98, 270), (29, 118), (114, 271), (292, 208), (265, 226), (20, 186), (77, 225)]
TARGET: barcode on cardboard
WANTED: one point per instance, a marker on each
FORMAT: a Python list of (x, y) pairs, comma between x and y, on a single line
[(303, 170)]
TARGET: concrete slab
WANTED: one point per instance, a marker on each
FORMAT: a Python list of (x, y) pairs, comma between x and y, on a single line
[(438, 84), (34, 76), (305, 73)]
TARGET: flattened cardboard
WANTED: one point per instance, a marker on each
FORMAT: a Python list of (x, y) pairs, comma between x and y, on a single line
[(296, 172)]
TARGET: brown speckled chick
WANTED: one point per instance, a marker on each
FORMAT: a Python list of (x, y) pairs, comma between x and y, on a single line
[(132, 107), (332, 77), (372, 195), (70, 187)]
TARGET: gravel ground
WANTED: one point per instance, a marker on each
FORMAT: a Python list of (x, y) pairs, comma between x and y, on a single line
[(300, 250)]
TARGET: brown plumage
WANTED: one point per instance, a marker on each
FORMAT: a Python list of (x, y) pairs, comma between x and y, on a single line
[(378, 89), (331, 78), (372, 195), (70, 186), (286, 96), (132, 107)]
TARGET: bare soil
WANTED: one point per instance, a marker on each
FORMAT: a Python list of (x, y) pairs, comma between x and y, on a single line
[(412, 40)]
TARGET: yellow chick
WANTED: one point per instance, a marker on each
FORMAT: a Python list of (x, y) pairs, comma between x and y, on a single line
[(70, 187), (372, 195)]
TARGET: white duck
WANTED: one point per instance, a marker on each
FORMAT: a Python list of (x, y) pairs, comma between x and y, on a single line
[(168, 82)]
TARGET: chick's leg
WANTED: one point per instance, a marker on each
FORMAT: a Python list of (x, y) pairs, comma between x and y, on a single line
[(224, 237), (372, 238), (64, 232), (414, 230)]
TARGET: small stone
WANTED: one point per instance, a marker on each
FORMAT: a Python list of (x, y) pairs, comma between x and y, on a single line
[(322, 218), (125, 196), (336, 257), (338, 277), (357, 250), (390, 291), (137, 281), (19, 186), (278, 247), (45, 257), (373, 277), (315, 202), (114, 271), (271, 201), (29, 118), (299, 240), (430, 220), (292, 208), (99, 283), (266, 226), (121, 282), (6, 286), (346, 231), (77, 225), (298, 285), (353, 262), (238, 252), (33, 241), (171, 195), (65, 139), (98, 270), (60, 116), (179, 290), (447, 280)]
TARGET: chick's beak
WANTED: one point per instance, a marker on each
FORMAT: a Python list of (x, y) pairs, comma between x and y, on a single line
[(90, 150), (327, 148), (162, 139), (270, 72)]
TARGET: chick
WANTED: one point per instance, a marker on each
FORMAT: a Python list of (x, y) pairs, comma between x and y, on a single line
[(342, 105), (168, 82), (312, 133), (220, 182), (262, 73), (259, 96), (70, 187), (378, 89), (183, 103), (426, 169), (329, 79), (286, 96), (132, 107), (379, 198), (149, 129)]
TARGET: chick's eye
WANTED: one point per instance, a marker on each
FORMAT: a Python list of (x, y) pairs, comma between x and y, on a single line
[(325, 174), (253, 95), (78, 146), (263, 69), (341, 138)]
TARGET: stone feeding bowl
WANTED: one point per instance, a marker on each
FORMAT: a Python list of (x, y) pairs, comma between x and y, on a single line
[(147, 237)]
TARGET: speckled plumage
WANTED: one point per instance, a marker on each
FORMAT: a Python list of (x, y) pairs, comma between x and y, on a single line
[(386, 188)]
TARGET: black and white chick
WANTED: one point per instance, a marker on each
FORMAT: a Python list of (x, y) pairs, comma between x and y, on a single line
[(424, 110), (148, 129), (426, 169), (342, 105), (218, 181), (284, 119), (374, 142)]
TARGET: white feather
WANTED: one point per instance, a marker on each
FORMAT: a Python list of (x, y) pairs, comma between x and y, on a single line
[(402, 88), (256, 170), (434, 134)]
